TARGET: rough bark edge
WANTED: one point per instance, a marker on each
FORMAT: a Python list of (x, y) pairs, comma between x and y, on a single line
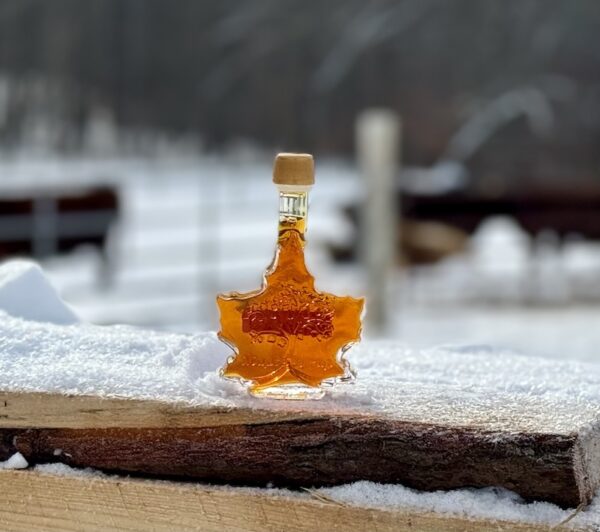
[(587, 462), (329, 451)]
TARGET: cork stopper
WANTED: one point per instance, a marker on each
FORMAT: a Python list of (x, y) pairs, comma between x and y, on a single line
[(294, 169)]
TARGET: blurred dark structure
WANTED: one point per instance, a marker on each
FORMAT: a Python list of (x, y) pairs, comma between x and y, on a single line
[(43, 223), (574, 213), (437, 225), (509, 89)]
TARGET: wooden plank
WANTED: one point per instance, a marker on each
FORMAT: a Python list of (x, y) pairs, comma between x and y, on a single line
[(296, 448), (40, 502), (31, 410)]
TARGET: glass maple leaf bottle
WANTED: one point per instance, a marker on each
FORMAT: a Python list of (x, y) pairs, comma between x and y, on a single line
[(289, 339)]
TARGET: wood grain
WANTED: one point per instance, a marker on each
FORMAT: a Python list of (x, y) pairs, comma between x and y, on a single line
[(34, 502), (31, 410), (294, 448)]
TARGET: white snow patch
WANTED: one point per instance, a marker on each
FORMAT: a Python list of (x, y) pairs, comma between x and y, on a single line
[(63, 470), (25, 292), (478, 386), (487, 503), (16, 461), (117, 361)]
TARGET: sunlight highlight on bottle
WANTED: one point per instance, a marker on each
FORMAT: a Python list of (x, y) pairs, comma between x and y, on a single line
[(289, 339)]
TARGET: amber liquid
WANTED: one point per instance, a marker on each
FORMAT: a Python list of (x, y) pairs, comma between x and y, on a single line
[(289, 338)]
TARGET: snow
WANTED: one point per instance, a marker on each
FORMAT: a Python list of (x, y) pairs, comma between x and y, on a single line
[(63, 470), (118, 361), (16, 461), (566, 333), (26, 293), (473, 385), (485, 503)]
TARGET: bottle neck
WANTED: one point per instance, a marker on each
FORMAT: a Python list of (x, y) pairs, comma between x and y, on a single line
[(293, 209)]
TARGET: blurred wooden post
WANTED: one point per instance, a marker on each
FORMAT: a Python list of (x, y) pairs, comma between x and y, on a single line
[(378, 135), (45, 227), (209, 265)]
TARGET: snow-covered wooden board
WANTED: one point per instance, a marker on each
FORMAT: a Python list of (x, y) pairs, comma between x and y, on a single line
[(118, 398), (33, 501), (300, 447)]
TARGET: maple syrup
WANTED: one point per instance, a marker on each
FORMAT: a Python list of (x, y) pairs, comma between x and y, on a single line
[(289, 339)]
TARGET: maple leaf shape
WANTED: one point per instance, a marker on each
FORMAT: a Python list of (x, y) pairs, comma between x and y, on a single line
[(287, 332)]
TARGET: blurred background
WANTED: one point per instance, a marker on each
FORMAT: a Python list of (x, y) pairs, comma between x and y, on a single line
[(457, 148)]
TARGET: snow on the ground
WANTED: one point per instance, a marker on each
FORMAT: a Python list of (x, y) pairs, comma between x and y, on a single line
[(504, 265), (563, 333), (16, 461), (26, 293), (58, 469), (484, 503)]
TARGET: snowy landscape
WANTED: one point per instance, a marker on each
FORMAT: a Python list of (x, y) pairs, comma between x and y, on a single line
[(502, 336), (456, 190)]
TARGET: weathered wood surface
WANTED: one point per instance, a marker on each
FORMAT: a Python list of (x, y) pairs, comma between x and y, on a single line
[(42, 410), (34, 502), (302, 448)]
